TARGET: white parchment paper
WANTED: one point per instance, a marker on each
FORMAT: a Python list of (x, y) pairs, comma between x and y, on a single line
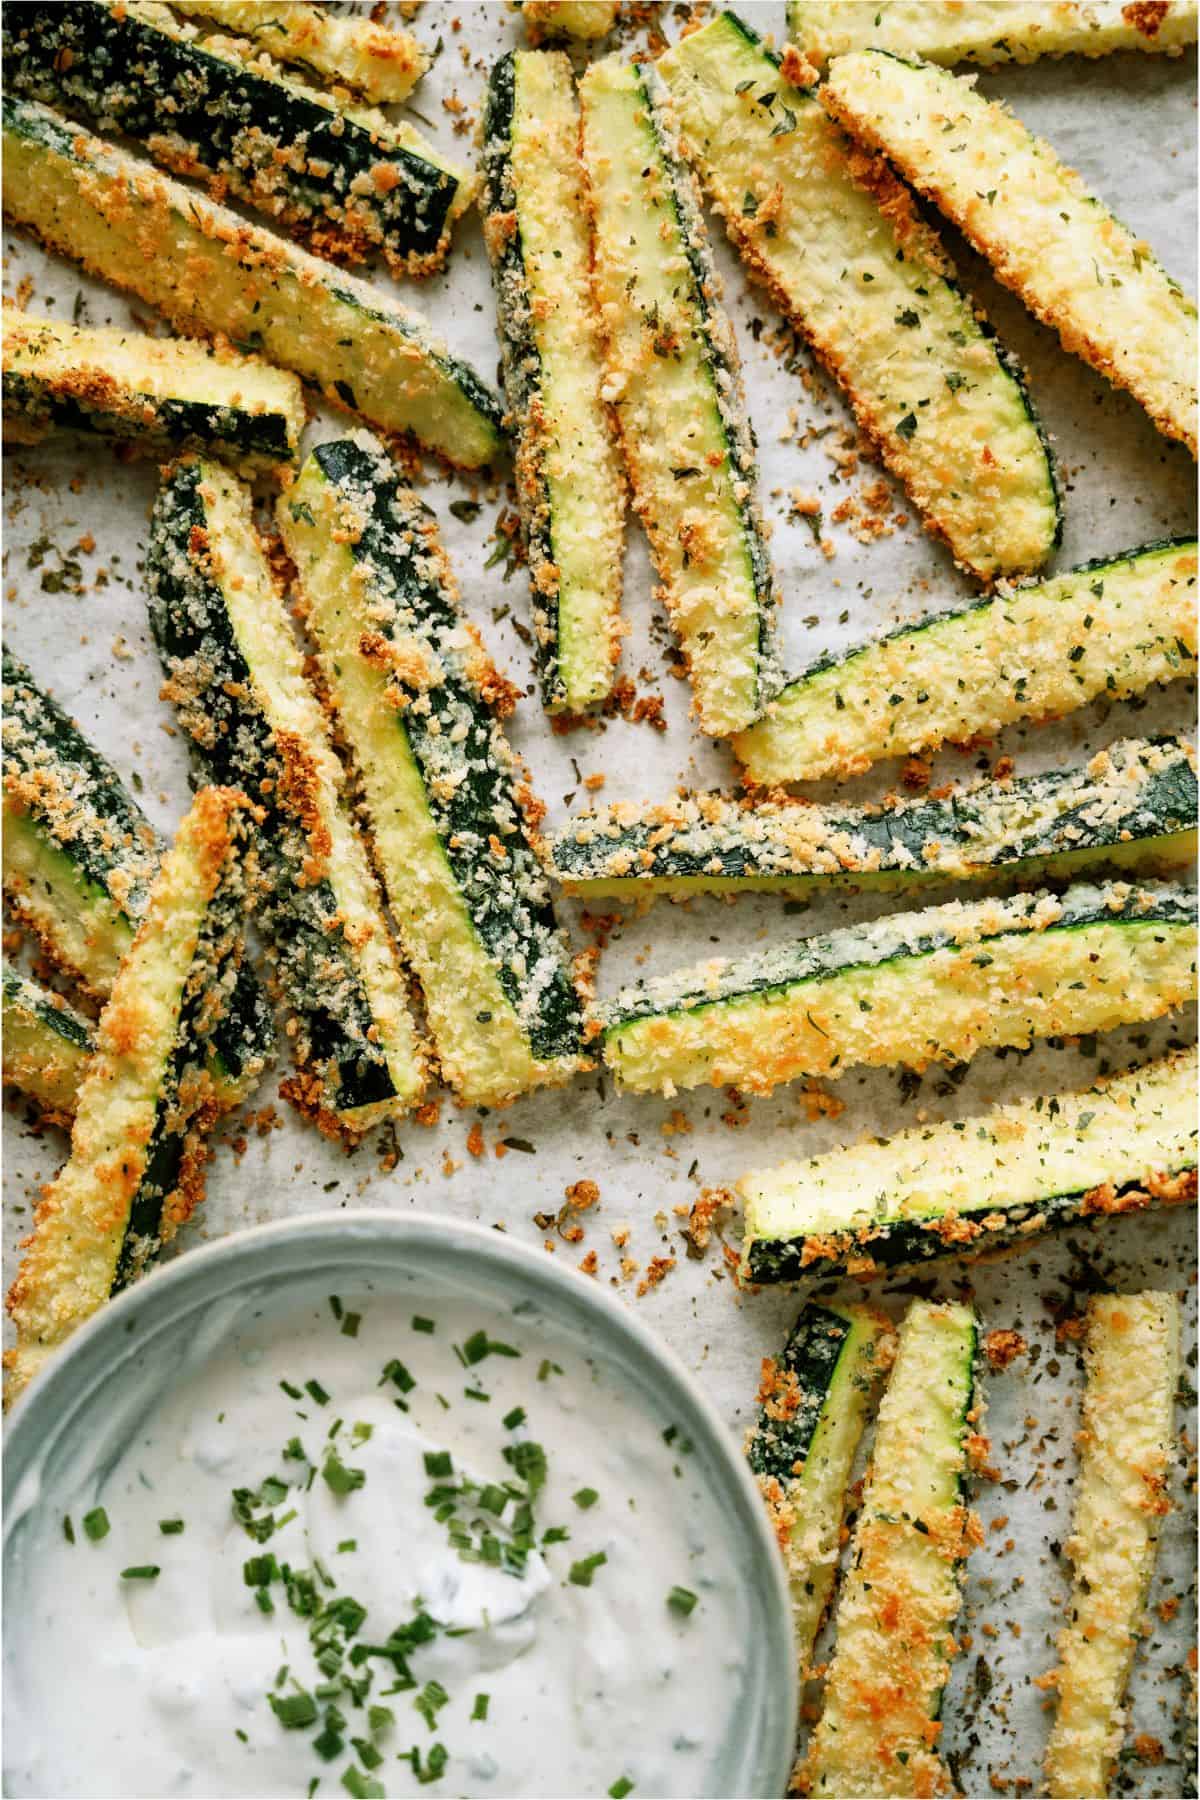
[(75, 525)]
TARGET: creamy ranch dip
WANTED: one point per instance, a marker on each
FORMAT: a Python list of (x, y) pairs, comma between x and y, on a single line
[(377, 1545)]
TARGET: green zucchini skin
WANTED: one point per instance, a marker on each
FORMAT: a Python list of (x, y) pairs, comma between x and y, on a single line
[(213, 274), (813, 1405), (159, 395), (414, 693), (283, 147), (223, 703), (146, 1100), (841, 250), (569, 480), (1113, 626), (912, 988), (80, 857), (47, 1044), (1133, 806), (989, 1184)]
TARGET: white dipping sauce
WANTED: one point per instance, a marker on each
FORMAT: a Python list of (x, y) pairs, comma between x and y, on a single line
[(125, 1684)]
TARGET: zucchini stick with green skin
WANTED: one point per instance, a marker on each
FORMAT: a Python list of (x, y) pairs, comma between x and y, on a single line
[(675, 383), (47, 1045), (213, 275), (913, 988), (990, 1183), (813, 1404), (159, 395), (1074, 265), (569, 479), (383, 64), (342, 176), (1127, 1449), (418, 704), (1132, 806), (136, 1165), (236, 675), (80, 857), (988, 32), (838, 244), (902, 1592), (1113, 627)]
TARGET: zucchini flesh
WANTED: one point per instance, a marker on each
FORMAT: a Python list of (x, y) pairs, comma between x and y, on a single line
[(675, 382), (837, 242), (989, 1183), (988, 31), (1113, 627), (1127, 1449), (1074, 265), (47, 1044), (343, 176), (160, 394), (582, 19), (813, 1406), (413, 691), (212, 275), (569, 480), (80, 857), (895, 1617), (914, 988), (1133, 806), (236, 676), (136, 1165), (382, 64)]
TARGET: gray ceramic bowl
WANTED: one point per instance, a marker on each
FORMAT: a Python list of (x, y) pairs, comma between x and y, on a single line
[(76, 1408)]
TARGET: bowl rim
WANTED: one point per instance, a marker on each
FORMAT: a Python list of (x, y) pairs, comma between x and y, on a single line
[(101, 1340)]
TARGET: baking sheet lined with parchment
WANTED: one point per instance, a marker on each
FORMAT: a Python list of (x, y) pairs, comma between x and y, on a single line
[(75, 529)]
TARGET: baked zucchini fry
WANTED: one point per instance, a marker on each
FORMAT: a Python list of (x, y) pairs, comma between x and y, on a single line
[(991, 1183), (136, 1166), (236, 676), (895, 1618), (343, 177), (47, 1045), (913, 988), (1114, 627), (675, 381), (1126, 1451), (1074, 265), (988, 31), (418, 703), (161, 395), (1132, 806), (212, 274), (80, 857), (382, 64), (569, 479), (813, 1405), (837, 242), (585, 20)]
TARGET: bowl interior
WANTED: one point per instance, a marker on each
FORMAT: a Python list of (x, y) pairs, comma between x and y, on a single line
[(79, 1415)]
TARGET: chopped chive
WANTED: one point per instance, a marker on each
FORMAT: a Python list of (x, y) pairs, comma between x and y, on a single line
[(438, 1462), (430, 1701), (347, 1544), (620, 1788), (350, 1324), (480, 1708), (335, 1306), (338, 1477), (317, 1391), (380, 1717), (329, 1742), (95, 1524), (294, 1711), (682, 1600), (585, 1497), (422, 1324), (293, 1393), (493, 1499), (395, 1372), (547, 1368), (141, 1572), (68, 1528), (580, 1573), (170, 1527), (514, 1418), (363, 1787)]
